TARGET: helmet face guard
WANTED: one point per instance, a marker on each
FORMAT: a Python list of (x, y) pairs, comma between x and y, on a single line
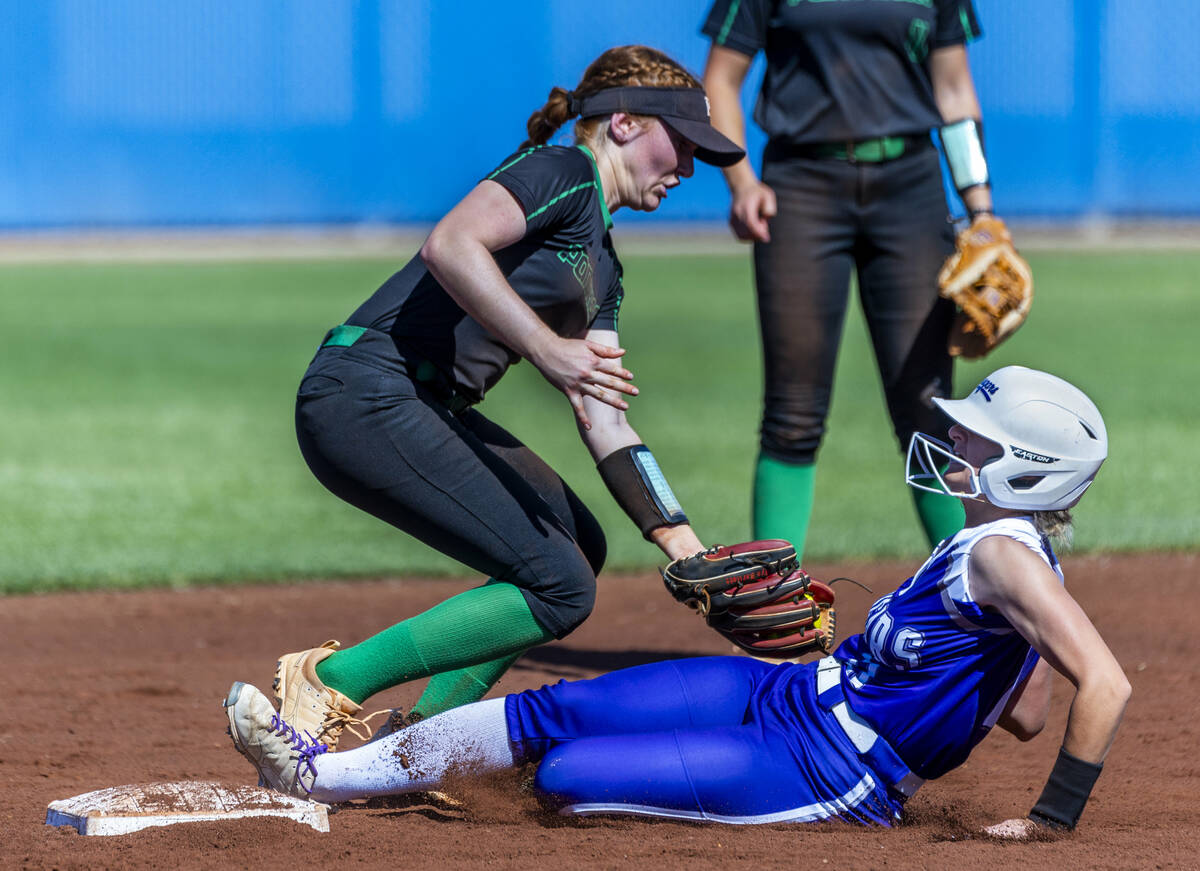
[(1052, 441), (923, 467)]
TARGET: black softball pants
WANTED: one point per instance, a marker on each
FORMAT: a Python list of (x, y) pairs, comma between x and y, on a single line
[(458, 482), (888, 222)]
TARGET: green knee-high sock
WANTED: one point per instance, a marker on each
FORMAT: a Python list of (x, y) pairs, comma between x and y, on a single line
[(479, 625), (783, 499), (941, 515), (454, 688)]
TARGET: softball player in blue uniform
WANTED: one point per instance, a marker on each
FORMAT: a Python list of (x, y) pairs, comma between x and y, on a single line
[(522, 267), (965, 644)]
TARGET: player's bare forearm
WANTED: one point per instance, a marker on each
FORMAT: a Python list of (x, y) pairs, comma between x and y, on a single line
[(723, 76), (1010, 578), (458, 253), (953, 88), (1026, 712), (956, 99), (978, 200), (610, 430), (753, 202), (677, 542), (1096, 714), (470, 275)]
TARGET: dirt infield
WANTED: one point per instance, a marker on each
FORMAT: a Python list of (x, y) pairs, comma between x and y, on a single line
[(104, 689)]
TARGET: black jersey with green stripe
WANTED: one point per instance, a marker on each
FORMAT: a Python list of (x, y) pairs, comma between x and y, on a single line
[(843, 70), (564, 268)]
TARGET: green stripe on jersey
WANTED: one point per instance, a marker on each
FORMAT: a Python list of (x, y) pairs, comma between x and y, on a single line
[(524, 154), (966, 25), (566, 193), (728, 23), (608, 222)]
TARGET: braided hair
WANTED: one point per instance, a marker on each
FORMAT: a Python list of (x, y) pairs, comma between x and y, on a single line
[(618, 67)]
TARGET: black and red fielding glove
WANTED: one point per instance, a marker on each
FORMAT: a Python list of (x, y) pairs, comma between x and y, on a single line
[(755, 594)]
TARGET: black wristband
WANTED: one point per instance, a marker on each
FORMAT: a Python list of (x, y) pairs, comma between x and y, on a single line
[(1066, 792), (635, 481)]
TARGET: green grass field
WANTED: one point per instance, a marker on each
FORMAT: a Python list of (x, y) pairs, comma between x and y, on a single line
[(147, 416)]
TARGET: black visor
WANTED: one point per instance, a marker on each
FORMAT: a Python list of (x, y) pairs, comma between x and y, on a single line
[(684, 110)]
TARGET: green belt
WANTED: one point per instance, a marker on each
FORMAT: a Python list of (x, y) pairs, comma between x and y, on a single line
[(345, 335), (867, 151)]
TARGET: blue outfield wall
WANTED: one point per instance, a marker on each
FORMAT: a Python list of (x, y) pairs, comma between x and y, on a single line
[(171, 112)]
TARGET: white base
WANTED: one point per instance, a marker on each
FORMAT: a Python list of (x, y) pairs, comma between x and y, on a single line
[(119, 810)]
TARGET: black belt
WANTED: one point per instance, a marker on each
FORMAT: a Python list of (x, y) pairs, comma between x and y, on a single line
[(879, 150), (419, 369)]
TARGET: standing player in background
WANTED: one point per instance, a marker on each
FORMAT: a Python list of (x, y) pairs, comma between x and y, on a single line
[(850, 180), (522, 267), (965, 644)]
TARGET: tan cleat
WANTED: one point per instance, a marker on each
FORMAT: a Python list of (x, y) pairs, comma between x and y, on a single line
[(310, 707)]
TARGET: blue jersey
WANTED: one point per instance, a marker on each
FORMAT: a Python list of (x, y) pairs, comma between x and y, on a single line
[(933, 669)]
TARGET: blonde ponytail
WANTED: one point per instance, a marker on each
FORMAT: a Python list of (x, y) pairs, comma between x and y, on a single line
[(1057, 526)]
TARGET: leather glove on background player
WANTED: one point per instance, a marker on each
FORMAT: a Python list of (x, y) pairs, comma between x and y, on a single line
[(990, 283), (756, 595)]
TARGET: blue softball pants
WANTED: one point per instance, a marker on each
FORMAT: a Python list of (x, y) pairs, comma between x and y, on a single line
[(726, 739)]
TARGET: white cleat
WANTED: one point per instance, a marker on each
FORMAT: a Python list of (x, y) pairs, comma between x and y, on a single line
[(282, 756)]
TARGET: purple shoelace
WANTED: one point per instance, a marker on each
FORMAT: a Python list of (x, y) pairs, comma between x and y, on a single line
[(307, 748)]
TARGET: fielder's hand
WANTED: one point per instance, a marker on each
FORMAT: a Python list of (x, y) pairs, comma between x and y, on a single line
[(582, 367), (990, 283), (750, 212)]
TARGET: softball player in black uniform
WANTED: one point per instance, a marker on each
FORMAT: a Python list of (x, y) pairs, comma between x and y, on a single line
[(850, 179), (523, 266)]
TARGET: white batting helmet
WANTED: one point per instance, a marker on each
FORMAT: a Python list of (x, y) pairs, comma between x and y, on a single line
[(1052, 437)]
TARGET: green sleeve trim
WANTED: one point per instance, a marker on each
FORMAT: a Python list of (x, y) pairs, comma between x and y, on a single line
[(524, 154), (608, 221), (966, 25), (728, 23), (566, 193)]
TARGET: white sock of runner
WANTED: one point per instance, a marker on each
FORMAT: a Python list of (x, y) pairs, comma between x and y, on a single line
[(468, 739)]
